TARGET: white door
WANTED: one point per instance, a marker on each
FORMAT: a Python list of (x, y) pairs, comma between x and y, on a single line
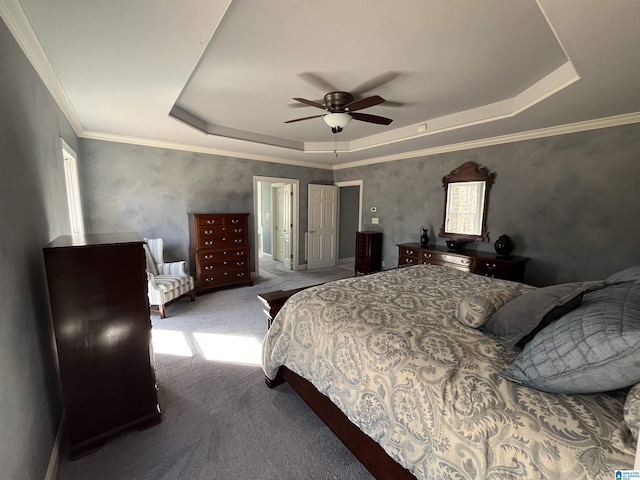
[(323, 207), (282, 224)]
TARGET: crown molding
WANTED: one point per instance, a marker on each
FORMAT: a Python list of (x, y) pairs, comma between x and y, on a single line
[(13, 15), (615, 121), (145, 142)]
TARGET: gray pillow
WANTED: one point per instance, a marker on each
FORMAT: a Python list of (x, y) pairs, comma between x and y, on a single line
[(529, 313), (594, 348), (475, 309), (631, 274)]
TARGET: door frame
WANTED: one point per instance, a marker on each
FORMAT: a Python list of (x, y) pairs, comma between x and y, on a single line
[(349, 183), (295, 218)]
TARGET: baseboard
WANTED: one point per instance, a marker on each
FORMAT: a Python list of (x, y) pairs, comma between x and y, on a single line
[(56, 452), (346, 260)]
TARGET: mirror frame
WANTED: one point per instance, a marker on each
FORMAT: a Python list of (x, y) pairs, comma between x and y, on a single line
[(468, 172)]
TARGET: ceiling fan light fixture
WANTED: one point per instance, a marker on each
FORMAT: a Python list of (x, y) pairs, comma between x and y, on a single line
[(337, 120)]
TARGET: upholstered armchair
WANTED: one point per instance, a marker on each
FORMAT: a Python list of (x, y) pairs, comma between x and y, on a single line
[(168, 282)]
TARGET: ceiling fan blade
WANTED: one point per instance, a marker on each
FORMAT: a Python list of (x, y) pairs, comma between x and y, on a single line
[(365, 117), (310, 102), (304, 118), (363, 103), (317, 81), (375, 83)]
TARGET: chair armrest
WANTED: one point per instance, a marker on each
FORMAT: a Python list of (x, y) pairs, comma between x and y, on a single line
[(173, 268)]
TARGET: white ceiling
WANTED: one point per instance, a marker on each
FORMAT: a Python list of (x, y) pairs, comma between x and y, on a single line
[(219, 76)]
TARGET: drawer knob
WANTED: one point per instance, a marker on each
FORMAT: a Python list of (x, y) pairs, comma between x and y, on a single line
[(209, 242), (235, 221), (238, 240), (208, 232), (211, 222), (491, 266), (209, 267)]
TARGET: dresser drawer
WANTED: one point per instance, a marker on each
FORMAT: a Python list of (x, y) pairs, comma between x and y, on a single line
[(222, 231), (226, 255), (440, 258), (220, 219), (224, 265), (495, 268), (221, 242), (224, 278), (405, 260)]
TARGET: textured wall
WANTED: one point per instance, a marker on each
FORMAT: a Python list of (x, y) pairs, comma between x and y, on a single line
[(349, 216), (33, 211), (150, 190), (569, 202)]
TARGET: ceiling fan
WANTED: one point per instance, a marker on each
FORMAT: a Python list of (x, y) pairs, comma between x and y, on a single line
[(342, 108)]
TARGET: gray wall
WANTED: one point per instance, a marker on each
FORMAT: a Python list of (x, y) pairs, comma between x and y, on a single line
[(33, 211), (150, 190), (571, 203)]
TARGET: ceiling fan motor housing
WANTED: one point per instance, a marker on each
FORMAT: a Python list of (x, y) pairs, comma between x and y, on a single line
[(336, 101)]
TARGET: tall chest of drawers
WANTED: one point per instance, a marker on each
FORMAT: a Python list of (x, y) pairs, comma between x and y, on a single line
[(481, 263), (368, 252), (219, 250)]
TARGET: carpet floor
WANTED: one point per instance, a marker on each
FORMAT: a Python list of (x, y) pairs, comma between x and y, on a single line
[(219, 420)]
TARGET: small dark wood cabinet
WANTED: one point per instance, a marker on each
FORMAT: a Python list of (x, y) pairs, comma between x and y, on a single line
[(102, 325), (219, 250), (481, 263), (368, 252)]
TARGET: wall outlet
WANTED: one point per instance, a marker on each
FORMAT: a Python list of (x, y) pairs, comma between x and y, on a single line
[(374, 220)]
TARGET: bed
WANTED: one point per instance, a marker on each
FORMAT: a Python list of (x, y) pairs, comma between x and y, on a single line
[(428, 372)]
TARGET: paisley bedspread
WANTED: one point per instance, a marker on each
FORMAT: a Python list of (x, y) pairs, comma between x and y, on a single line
[(388, 350)]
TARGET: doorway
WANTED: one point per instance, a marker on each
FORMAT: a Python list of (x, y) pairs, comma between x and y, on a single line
[(276, 223), (350, 221)]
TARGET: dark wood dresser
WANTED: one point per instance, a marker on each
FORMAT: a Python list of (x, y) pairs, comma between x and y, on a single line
[(102, 325), (368, 252), (482, 263), (219, 250)]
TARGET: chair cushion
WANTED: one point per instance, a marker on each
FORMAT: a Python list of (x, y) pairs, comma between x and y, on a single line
[(171, 282)]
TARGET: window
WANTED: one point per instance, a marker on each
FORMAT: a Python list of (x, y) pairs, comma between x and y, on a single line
[(73, 188)]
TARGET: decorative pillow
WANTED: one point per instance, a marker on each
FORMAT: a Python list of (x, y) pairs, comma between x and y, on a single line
[(475, 309), (594, 348), (632, 410), (631, 274), (519, 320)]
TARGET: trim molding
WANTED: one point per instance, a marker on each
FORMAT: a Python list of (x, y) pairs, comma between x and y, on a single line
[(12, 13), (616, 121), (56, 451)]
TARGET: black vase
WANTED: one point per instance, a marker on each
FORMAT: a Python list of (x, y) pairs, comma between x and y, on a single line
[(424, 237), (503, 245)]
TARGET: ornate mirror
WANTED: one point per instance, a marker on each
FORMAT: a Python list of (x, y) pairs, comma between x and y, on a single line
[(466, 196)]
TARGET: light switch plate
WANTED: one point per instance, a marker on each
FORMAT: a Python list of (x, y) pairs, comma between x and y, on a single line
[(374, 220)]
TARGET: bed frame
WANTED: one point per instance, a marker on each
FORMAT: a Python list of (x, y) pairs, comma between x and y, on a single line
[(366, 450)]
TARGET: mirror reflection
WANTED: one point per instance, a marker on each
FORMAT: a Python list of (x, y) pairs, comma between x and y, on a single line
[(465, 203)]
